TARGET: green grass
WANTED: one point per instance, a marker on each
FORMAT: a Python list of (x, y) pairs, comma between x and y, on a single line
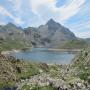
[(32, 69), (10, 84), (10, 44), (20, 70), (74, 44)]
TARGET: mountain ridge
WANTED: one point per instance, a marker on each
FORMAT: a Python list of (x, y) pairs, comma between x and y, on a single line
[(54, 31), (52, 34)]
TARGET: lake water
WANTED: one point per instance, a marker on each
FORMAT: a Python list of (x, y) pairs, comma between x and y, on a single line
[(46, 56)]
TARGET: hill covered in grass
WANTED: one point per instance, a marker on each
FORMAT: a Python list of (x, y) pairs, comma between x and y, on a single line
[(75, 44), (18, 44), (12, 37)]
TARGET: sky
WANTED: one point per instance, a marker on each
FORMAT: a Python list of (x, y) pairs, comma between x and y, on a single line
[(73, 14)]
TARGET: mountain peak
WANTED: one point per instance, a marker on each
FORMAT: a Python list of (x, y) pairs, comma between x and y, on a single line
[(53, 25), (51, 21), (10, 24)]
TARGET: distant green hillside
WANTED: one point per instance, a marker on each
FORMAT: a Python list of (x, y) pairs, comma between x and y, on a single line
[(9, 44), (74, 44), (12, 37)]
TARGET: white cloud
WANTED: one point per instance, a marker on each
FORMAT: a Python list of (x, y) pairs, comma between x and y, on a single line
[(35, 5), (85, 34), (16, 5), (2, 23), (70, 10), (17, 8), (18, 21), (61, 14), (5, 12), (81, 29), (78, 26), (65, 12)]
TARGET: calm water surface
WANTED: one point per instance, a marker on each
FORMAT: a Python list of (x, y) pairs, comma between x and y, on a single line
[(45, 55)]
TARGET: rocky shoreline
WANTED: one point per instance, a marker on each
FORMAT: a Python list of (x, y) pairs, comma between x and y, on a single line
[(68, 50), (50, 49), (9, 52)]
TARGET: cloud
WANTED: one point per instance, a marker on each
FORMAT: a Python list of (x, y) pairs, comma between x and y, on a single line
[(81, 29), (84, 34), (16, 5), (78, 26), (2, 23), (65, 12), (5, 12), (35, 5), (38, 7), (18, 21)]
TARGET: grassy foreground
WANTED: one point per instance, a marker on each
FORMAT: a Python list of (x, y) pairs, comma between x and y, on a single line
[(30, 75)]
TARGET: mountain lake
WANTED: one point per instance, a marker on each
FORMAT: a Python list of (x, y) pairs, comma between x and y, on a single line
[(45, 55)]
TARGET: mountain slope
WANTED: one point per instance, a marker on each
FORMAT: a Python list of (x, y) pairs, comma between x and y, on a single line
[(57, 33), (52, 34), (12, 37)]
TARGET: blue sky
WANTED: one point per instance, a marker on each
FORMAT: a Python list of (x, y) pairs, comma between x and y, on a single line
[(74, 14)]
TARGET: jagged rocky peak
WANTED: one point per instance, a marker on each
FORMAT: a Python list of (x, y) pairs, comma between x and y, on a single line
[(52, 24), (51, 21)]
